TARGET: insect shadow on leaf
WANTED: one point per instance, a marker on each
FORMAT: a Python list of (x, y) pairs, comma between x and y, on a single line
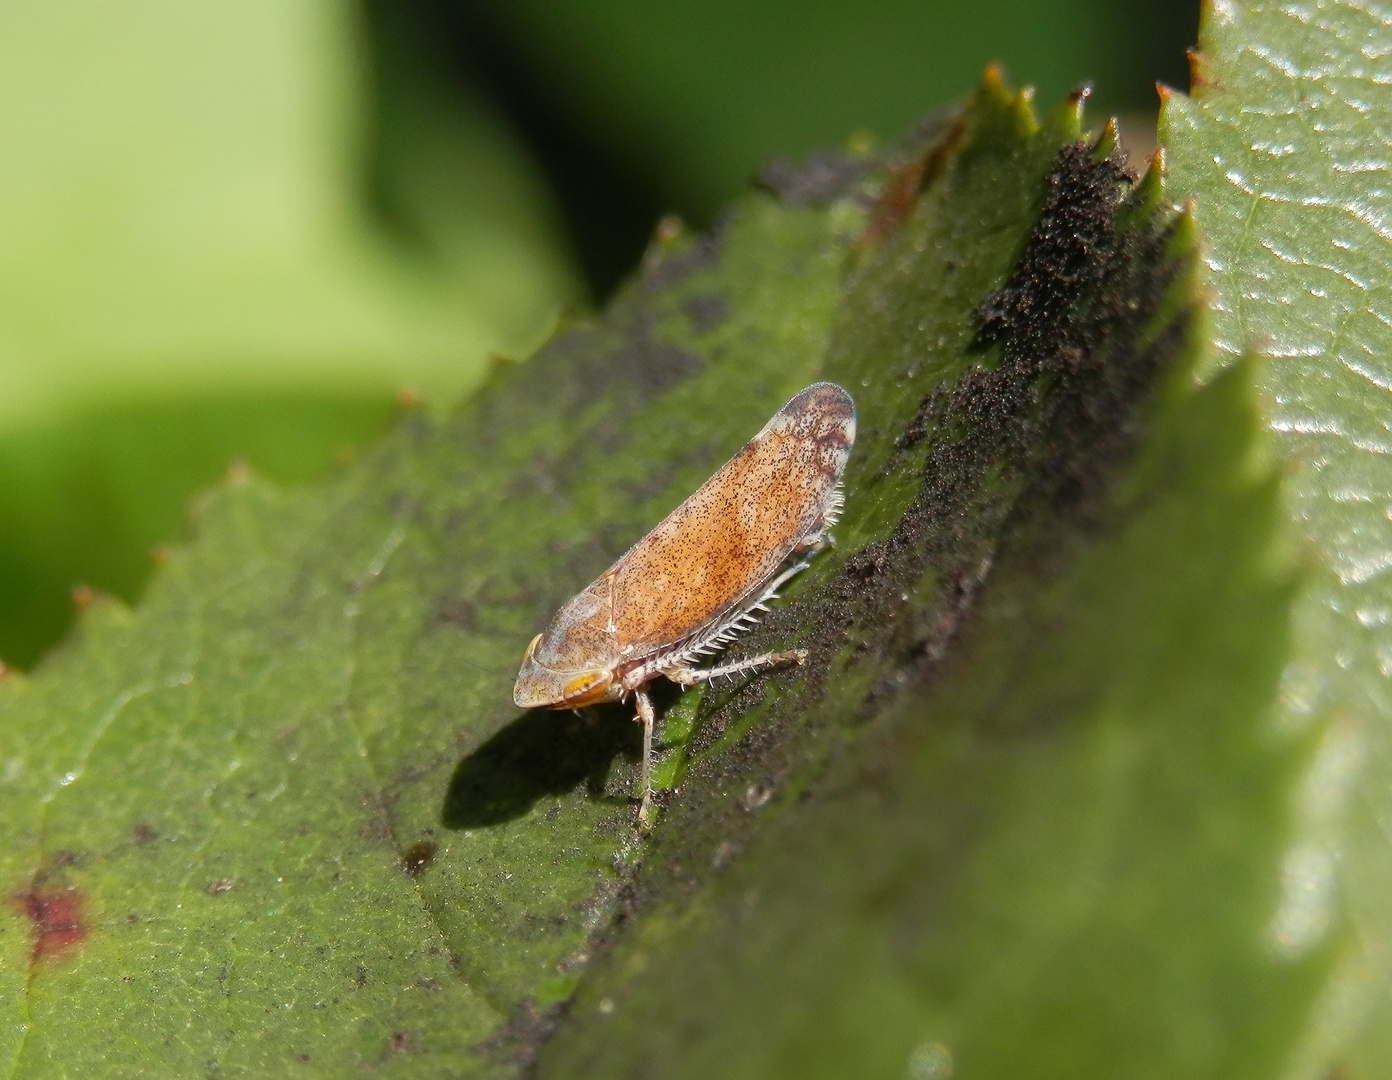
[(540, 753)]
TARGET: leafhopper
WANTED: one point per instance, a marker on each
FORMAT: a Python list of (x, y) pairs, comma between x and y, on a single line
[(689, 587)]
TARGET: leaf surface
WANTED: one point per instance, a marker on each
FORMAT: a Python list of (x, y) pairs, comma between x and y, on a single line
[(286, 809), (1022, 811), (1030, 821), (1284, 146)]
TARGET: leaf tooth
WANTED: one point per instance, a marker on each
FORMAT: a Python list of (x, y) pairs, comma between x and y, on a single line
[(1150, 192), (1108, 143)]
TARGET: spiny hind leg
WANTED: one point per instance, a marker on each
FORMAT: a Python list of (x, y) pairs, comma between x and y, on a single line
[(647, 717), (748, 617), (686, 675), (822, 538)]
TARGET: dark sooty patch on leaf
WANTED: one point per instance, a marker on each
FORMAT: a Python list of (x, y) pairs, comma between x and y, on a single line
[(517, 1043), (824, 176), (1016, 460), (1020, 455), (827, 175), (654, 364), (540, 753), (706, 311), (664, 265)]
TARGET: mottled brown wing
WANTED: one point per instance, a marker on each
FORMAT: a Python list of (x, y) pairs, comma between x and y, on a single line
[(730, 537)]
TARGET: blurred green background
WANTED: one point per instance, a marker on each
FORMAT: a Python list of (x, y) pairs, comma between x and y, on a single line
[(235, 230)]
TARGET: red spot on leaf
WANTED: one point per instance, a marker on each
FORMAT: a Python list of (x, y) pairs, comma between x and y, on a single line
[(55, 916)]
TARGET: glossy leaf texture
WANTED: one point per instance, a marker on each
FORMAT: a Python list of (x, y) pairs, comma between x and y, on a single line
[(1023, 811), (1284, 147)]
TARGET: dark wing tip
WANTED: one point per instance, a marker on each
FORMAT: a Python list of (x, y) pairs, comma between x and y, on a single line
[(823, 397)]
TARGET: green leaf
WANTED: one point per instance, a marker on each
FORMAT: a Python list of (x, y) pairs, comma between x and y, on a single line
[(89, 498), (1022, 811), (231, 782), (1030, 820), (1284, 148)]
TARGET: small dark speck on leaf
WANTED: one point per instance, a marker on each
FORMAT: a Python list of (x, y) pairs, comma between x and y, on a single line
[(824, 176), (457, 612), (400, 1042), (706, 311), (417, 857), (60, 860), (217, 888), (142, 833)]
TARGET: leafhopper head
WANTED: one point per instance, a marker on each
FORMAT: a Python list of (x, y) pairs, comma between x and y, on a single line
[(542, 687)]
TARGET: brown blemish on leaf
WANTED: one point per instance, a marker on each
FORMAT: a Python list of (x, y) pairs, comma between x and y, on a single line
[(518, 1041), (217, 888), (55, 915), (907, 182), (1199, 80), (418, 857), (457, 611), (898, 198)]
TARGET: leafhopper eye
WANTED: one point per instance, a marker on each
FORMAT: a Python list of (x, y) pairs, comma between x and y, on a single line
[(583, 684)]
